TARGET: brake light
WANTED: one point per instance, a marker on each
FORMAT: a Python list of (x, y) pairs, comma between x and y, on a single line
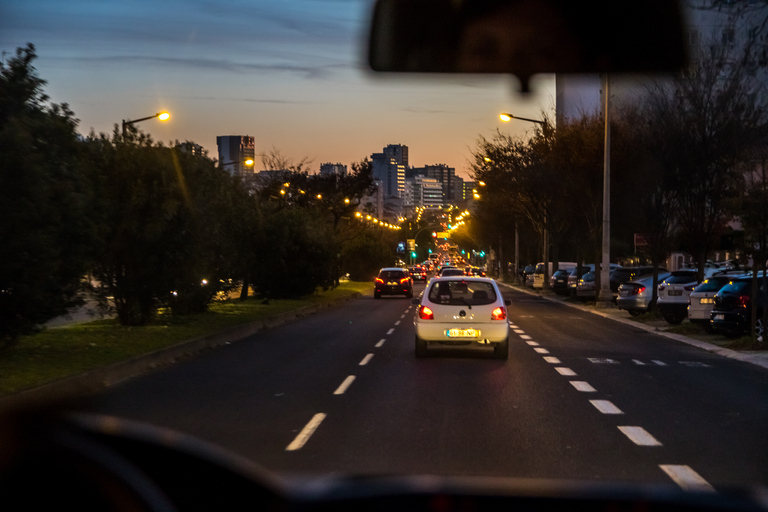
[(379, 280), (425, 313), (405, 280), (638, 290), (499, 314), (742, 300)]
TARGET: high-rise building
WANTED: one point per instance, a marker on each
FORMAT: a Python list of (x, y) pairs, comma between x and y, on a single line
[(389, 167), (192, 149), (234, 150), (328, 169), (445, 175)]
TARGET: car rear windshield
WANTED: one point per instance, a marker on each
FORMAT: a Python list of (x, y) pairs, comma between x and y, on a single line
[(452, 272), (462, 293), (392, 275), (681, 278), (712, 284)]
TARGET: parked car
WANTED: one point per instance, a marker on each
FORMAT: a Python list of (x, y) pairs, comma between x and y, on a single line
[(673, 294), (626, 274), (701, 301), (559, 282), (585, 289), (635, 296), (732, 311), (418, 273), (573, 279), (393, 281), (464, 311)]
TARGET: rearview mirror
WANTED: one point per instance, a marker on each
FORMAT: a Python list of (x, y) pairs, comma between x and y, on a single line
[(526, 37)]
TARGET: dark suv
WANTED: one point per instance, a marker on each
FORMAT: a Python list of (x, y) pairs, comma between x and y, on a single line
[(393, 281), (732, 312)]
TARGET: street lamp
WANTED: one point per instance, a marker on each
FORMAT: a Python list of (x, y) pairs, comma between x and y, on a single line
[(163, 116), (506, 117)]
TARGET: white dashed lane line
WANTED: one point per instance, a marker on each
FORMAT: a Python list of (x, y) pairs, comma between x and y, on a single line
[(552, 360), (397, 323), (381, 342), (519, 331), (638, 362), (640, 436), (366, 359), (686, 478), (525, 337), (583, 386), (532, 343), (306, 432), (565, 371), (541, 350), (390, 331), (344, 385), (657, 362), (606, 407)]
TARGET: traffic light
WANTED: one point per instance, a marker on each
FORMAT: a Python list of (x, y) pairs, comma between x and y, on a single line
[(413, 254), (434, 234)]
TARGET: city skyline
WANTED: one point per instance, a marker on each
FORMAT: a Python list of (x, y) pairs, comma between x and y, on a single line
[(290, 74)]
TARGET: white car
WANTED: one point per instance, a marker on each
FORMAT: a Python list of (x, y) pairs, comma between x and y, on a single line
[(673, 295), (462, 311), (702, 298)]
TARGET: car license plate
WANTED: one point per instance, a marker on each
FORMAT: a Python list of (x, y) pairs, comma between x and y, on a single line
[(623, 293), (675, 293), (462, 333), (718, 317), (706, 301)]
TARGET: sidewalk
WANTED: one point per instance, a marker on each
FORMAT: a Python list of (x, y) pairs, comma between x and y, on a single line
[(758, 358)]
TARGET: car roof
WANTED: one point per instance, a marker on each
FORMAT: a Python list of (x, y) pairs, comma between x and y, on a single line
[(393, 268)]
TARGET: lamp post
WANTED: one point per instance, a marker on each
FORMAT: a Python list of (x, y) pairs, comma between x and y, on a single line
[(605, 296), (163, 116), (506, 117)]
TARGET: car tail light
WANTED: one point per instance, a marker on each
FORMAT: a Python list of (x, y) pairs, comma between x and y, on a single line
[(742, 300), (379, 280), (689, 288), (638, 290), (425, 313), (405, 280), (499, 314)]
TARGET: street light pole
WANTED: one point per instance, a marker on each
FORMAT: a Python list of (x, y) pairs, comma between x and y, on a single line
[(163, 116), (605, 297)]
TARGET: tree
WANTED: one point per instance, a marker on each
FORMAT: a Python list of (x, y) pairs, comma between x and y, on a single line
[(45, 227)]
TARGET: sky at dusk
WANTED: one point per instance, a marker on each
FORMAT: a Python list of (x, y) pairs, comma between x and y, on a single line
[(290, 73)]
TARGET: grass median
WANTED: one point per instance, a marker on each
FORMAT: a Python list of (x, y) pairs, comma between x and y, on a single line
[(60, 352)]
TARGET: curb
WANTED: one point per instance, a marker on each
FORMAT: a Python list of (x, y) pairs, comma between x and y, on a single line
[(69, 388), (703, 345)]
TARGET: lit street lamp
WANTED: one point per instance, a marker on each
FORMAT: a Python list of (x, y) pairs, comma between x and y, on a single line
[(163, 116), (508, 117)]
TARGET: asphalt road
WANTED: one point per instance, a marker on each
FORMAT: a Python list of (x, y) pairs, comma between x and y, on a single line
[(580, 398)]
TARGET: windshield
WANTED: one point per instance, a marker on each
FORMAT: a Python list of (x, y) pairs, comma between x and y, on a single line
[(205, 193)]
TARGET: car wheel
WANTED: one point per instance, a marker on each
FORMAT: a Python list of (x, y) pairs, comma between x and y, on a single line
[(759, 329), (501, 350), (635, 312), (376, 295), (421, 347), (673, 318)]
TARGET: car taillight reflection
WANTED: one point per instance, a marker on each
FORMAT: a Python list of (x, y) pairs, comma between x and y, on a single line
[(742, 301), (425, 313), (499, 314)]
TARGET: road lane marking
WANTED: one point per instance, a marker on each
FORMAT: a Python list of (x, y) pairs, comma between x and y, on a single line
[(366, 359), (565, 371), (640, 436), (541, 350), (532, 343), (306, 433), (397, 323), (525, 337), (686, 478), (602, 360), (519, 331), (638, 362), (583, 386), (695, 364), (402, 316), (390, 331), (552, 359), (381, 342), (660, 363), (344, 385), (606, 407)]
